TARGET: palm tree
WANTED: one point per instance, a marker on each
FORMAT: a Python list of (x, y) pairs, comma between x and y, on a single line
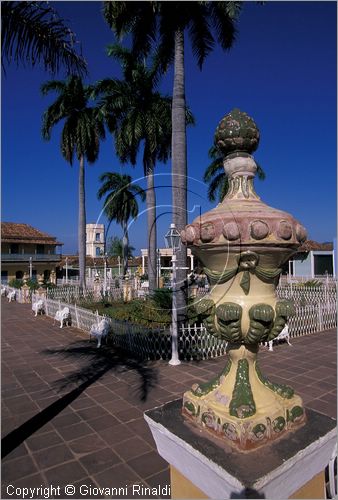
[(216, 178), (120, 204), (83, 127), (33, 33), (139, 116), (115, 248), (166, 23)]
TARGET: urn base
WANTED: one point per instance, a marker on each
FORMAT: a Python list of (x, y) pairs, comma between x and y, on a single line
[(243, 407)]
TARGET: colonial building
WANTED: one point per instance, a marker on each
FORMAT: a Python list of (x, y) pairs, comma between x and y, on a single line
[(164, 257), (312, 260), (95, 240), (26, 250)]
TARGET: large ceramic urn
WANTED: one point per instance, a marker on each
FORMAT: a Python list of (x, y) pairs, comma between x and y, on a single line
[(242, 244)]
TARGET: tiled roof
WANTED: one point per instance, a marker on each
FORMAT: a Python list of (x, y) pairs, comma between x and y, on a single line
[(73, 260), (309, 245), (13, 232)]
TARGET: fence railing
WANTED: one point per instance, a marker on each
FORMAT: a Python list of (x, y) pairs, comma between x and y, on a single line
[(315, 311), (69, 293), (149, 343)]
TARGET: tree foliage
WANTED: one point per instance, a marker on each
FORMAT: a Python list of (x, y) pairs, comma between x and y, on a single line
[(32, 33), (83, 128), (115, 248), (120, 204)]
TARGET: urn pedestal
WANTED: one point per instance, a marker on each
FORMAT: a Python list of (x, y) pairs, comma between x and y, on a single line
[(206, 467)]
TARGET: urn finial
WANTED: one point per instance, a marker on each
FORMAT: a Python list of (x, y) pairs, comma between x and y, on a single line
[(237, 133)]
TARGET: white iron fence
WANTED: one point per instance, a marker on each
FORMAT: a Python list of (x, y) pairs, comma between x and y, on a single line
[(69, 293), (149, 343), (315, 311), (316, 308)]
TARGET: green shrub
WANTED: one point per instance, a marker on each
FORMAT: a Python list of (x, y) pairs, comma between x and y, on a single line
[(15, 283), (33, 284), (163, 298), (310, 284), (18, 283), (139, 312)]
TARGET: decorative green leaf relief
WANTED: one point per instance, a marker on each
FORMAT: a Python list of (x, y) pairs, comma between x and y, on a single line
[(219, 278), (206, 309), (247, 263), (245, 282), (284, 309), (261, 321), (295, 413), (203, 389), (229, 317), (284, 391), (190, 407), (242, 404), (278, 424)]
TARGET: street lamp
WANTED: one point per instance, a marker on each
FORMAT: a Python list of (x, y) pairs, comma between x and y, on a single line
[(173, 240), (66, 270), (105, 274), (30, 268), (158, 267)]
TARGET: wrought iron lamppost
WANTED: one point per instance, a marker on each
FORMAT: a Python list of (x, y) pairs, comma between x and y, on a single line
[(66, 270), (173, 240), (105, 273), (30, 268), (158, 267)]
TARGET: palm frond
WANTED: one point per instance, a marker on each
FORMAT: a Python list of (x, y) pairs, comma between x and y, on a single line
[(215, 168), (201, 38), (215, 186), (224, 16), (32, 32), (260, 172)]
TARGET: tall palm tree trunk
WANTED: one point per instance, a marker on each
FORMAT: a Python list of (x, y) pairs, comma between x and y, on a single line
[(179, 168), (152, 233), (125, 246), (82, 225)]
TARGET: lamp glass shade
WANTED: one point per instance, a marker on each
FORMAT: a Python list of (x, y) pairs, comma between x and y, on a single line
[(173, 238)]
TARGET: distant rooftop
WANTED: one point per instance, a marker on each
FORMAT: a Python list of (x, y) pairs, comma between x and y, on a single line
[(73, 260), (14, 232), (309, 245)]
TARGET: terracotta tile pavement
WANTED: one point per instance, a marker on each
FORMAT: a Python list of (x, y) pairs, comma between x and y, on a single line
[(76, 412)]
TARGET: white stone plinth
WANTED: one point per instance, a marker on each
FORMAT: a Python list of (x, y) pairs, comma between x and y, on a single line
[(276, 470)]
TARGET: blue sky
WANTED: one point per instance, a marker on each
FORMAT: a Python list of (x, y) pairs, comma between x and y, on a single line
[(281, 71)]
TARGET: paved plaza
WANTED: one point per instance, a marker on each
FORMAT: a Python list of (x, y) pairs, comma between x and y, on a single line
[(73, 414)]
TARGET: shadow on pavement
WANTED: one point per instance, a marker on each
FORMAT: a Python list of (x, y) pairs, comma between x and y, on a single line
[(99, 362)]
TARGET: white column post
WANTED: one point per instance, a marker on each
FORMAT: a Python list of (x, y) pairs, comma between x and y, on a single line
[(143, 264), (30, 268), (174, 336), (66, 270), (105, 275), (158, 267)]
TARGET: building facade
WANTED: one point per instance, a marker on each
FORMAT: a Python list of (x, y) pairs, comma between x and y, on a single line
[(26, 251), (95, 240), (164, 257), (313, 260)]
